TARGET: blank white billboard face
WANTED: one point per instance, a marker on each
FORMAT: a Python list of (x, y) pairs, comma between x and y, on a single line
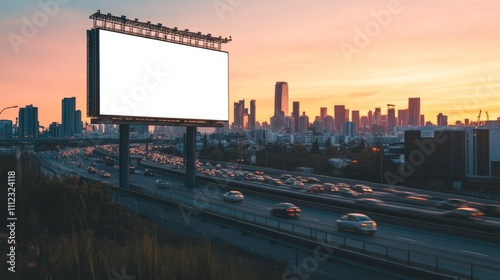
[(141, 77)]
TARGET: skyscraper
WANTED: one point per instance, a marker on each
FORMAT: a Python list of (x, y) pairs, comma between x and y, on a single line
[(253, 112), (28, 122), (414, 111), (391, 119), (68, 116), (5, 129), (54, 130), (280, 106), (323, 112), (403, 117), (238, 109), (78, 122), (303, 123), (355, 117), (281, 98), (339, 116), (296, 114)]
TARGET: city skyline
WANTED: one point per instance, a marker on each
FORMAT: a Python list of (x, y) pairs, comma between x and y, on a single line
[(361, 55)]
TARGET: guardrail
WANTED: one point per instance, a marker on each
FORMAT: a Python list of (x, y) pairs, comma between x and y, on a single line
[(407, 258), (489, 232)]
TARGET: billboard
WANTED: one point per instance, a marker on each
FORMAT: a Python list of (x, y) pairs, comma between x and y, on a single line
[(140, 78)]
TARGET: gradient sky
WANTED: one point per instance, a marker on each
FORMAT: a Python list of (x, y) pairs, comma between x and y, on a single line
[(445, 52)]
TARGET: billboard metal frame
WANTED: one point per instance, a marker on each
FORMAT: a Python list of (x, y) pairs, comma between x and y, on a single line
[(152, 31), (146, 30)]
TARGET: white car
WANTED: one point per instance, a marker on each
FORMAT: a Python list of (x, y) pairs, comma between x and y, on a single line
[(233, 196), (357, 222), (297, 185)]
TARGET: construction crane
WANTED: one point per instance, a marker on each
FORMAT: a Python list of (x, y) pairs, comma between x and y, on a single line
[(478, 118), (487, 116)]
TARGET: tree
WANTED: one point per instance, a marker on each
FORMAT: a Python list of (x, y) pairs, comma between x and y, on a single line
[(315, 147), (328, 142)]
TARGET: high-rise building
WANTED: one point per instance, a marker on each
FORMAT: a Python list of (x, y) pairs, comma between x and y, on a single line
[(403, 117), (253, 114), (318, 125), (355, 117), (339, 116), (422, 120), (238, 109), (349, 129), (303, 123), (414, 111), (5, 129), (68, 116), (28, 122), (323, 112), (370, 118), (280, 106), (78, 122), (296, 114), (289, 124), (391, 119), (329, 124), (346, 115), (281, 98), (54, 130), (442, 120)]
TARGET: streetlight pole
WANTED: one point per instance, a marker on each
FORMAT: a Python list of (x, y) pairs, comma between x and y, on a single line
[(8, 107), (381, 162), (381, 152)]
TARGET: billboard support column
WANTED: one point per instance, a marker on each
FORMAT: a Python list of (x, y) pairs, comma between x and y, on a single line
[(124, 156), (190, 158)]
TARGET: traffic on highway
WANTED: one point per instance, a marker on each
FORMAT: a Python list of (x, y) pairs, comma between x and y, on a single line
[(353, 222)]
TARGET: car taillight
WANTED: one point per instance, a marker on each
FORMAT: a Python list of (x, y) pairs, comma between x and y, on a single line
[(374, 224)]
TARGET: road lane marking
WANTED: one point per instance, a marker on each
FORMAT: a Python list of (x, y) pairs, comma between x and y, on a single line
[(314, 219), (474, 253), (406, 239)]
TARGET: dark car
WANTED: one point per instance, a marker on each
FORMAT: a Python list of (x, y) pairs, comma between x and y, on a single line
[(465, 213), (276, 182), (451, 203), (161, 184), (348, 192), (371, 201), (313, 180), (285, 209), (149, 173)]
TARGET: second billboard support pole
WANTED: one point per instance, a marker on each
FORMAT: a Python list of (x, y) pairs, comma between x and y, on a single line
[(124, 156), (190, 156)]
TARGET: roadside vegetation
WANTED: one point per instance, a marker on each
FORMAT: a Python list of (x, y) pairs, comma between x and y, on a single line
[(69, 229)]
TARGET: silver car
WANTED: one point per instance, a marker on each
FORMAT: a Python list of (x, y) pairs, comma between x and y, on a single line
[(233, 196), (357, 222)]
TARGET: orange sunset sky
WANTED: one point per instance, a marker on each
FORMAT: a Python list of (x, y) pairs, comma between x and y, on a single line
[(359, 53)]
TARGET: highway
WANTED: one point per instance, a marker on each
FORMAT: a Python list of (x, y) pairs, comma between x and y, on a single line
[(424, 243)]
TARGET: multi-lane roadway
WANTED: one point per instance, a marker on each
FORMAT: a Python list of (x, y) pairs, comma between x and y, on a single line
[(425, 243)]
